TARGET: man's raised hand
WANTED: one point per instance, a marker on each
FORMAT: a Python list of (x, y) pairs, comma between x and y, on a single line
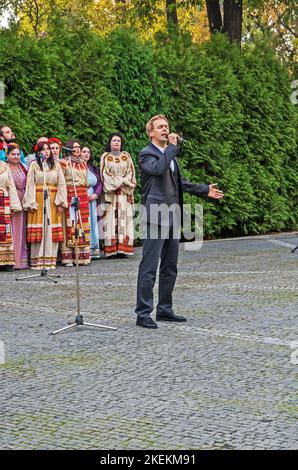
[(173, 139)]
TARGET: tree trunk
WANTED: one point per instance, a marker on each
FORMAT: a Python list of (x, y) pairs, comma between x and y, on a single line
[(214, 15), (172, 16), (233, 19)]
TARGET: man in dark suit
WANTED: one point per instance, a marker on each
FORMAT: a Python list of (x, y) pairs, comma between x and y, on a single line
[(162, 185)]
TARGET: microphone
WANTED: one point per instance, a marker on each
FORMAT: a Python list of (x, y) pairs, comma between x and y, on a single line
[(42, 156), (67, 148)]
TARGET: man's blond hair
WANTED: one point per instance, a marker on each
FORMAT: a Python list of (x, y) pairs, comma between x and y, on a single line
[(150, 123)]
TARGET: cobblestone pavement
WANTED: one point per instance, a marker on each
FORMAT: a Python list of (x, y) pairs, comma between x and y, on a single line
[(223, 380)]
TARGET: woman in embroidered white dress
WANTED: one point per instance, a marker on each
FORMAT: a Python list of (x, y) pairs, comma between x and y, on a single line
[(118, 177), (44, 170)]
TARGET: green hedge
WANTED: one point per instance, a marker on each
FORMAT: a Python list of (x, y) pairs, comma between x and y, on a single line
[(232, 107)]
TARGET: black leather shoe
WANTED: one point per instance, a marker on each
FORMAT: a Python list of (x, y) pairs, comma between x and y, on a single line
[(146, 322), (173, 317)]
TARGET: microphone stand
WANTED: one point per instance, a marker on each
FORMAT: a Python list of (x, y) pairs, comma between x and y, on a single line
[(46, 221), (75, 203)]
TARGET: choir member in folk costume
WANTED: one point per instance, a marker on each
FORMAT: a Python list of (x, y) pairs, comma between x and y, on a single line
[(94, 191), (76, 173), (56, 149), (18, 219), (9, 203), (44, 172), (118, 176)]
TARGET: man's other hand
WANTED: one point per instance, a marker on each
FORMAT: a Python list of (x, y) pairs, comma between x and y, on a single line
[(215, 193)]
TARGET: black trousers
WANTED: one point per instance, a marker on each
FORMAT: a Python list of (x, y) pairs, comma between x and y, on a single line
[(165, 250)]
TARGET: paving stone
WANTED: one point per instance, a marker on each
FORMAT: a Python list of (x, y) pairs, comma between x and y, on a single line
[(222, 380)]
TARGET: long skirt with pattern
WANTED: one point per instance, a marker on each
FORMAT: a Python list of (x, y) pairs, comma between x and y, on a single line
[(6, 246), (68, 247), (53, 231), (118, 226), (94, 236), (18, 224)]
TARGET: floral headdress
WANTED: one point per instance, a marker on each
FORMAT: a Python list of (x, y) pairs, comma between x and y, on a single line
[(55, 140), (10, 147)]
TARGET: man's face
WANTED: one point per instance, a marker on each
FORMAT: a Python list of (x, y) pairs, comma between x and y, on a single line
[(8, 135), (160, 132)]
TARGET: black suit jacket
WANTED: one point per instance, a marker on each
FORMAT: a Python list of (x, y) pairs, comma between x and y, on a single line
[(159, 185)]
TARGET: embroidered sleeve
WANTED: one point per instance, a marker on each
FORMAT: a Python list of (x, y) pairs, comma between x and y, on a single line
[(15, 203), (110, 182), (129, 179), (61, 197), (29, 200)]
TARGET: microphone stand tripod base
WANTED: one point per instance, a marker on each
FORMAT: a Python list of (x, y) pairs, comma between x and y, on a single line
[(43, 273), (79, 322)]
